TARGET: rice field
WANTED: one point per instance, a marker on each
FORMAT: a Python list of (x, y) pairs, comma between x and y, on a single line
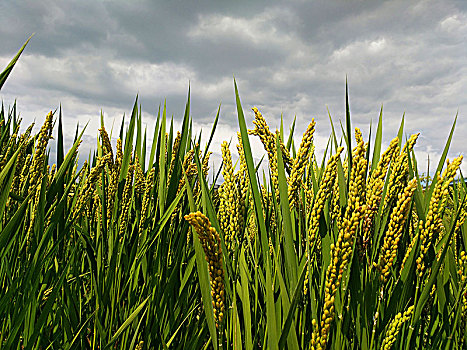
[(140, 249)]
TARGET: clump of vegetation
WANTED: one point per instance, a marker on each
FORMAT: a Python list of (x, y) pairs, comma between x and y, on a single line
[(138, 250)]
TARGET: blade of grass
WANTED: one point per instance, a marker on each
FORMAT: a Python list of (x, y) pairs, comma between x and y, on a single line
[(290, 253), (293, 305), (270, 308), (348, 135), (6, 72), (127, 322), (128, 149), (441, 162), (378, 140)]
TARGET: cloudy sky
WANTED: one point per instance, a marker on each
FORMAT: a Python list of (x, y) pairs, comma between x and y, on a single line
[(290, 58)]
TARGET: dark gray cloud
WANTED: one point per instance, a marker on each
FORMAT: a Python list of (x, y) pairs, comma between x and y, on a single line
[(291, 58)]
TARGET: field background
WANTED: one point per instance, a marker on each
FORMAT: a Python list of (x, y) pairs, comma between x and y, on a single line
[(138, 248)]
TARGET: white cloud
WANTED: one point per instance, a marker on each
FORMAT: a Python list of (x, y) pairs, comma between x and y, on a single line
[(455, 24), (152, 78), (359, 49), (259, 29), (290, 59)]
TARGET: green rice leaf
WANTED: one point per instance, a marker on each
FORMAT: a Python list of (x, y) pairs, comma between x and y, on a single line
[(6, 72), (271, 324), (378, 140)]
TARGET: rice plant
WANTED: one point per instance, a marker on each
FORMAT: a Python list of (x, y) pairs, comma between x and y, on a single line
[(139, 249)]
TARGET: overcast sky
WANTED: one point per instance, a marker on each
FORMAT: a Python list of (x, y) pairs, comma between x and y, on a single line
[(290, 58)]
